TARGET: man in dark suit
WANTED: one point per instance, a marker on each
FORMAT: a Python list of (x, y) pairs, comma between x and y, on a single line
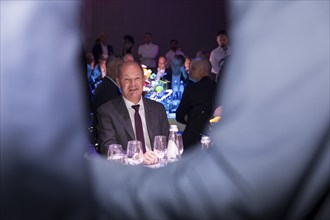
[(196, 106), (102, 47), (177, 72), (116, 122), (108, 88)]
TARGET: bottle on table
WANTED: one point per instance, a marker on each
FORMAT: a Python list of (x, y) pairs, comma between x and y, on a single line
[(206, 142), (173, 151), (175, 95), (181, 89)]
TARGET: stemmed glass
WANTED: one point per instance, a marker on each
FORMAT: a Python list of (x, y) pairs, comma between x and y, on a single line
[(160, 148), (180, 144), (116, 153), (134, 152)]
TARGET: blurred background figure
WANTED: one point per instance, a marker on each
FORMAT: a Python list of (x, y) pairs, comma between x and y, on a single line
[(90, 68), (148, 52), (202, 53), (108, 88), (128, 46), (218, 55), (128, 57), (161, 69), (174, 50), (102, 47), (99, 71), (187, 63)]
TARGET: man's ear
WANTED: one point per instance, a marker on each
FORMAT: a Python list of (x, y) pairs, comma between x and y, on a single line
[(117, 81)]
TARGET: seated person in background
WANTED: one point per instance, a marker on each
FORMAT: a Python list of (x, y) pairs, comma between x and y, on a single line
[(187, 64), (128, 45), (90, 64), (108, 88), (116, 118), (161, 69), (178, 72), (172, 52), (196, 106), (90, 67), (99, 71), (202, 53), (128, 57)]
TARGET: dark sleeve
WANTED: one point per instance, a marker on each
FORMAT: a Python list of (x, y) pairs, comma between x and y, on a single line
[(110, 50), (96, 53), (184, 106), (105, 130), (164, 121)]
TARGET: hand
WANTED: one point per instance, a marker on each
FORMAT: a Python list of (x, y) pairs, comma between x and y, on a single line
[(184, 72), (149, 158)]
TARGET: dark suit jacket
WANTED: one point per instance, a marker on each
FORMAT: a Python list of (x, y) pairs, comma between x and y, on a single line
[(106, 91), (114, 124), (197, 103), (97, 50)]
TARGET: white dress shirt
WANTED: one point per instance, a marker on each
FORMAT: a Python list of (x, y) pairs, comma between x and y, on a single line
[(216, 55), (131, 112), (149, 53)]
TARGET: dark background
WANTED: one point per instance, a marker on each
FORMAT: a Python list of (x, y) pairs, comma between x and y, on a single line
[(193, 23)]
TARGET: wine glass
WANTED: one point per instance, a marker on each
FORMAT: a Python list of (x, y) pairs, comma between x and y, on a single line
[(116, 153), (134, 152), (180, 144), (160, 148)]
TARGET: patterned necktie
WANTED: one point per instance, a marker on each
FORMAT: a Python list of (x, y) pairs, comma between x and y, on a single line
[(138, 126)]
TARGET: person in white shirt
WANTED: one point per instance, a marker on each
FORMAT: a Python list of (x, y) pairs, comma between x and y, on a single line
[(218, 55), (173, 51), (148, 52)]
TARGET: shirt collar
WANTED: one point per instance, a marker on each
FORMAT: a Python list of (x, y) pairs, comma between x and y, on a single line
[(129, 103)]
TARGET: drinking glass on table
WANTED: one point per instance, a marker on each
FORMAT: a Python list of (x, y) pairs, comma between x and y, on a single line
[(160, 148), (134, 152), (116, 153), (180, 144)]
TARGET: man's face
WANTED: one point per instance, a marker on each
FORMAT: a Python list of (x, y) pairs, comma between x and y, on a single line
[(174, 45), (131, 81), (222, 40), (147, 39), (104, 38), (162, 63)]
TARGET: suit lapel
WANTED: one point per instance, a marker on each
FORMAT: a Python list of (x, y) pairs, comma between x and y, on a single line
[(123, 116), (151, 124)]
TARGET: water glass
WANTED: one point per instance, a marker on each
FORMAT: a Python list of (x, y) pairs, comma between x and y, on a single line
[(180, 144), (160, 148), (134, 152), (116, 153)]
